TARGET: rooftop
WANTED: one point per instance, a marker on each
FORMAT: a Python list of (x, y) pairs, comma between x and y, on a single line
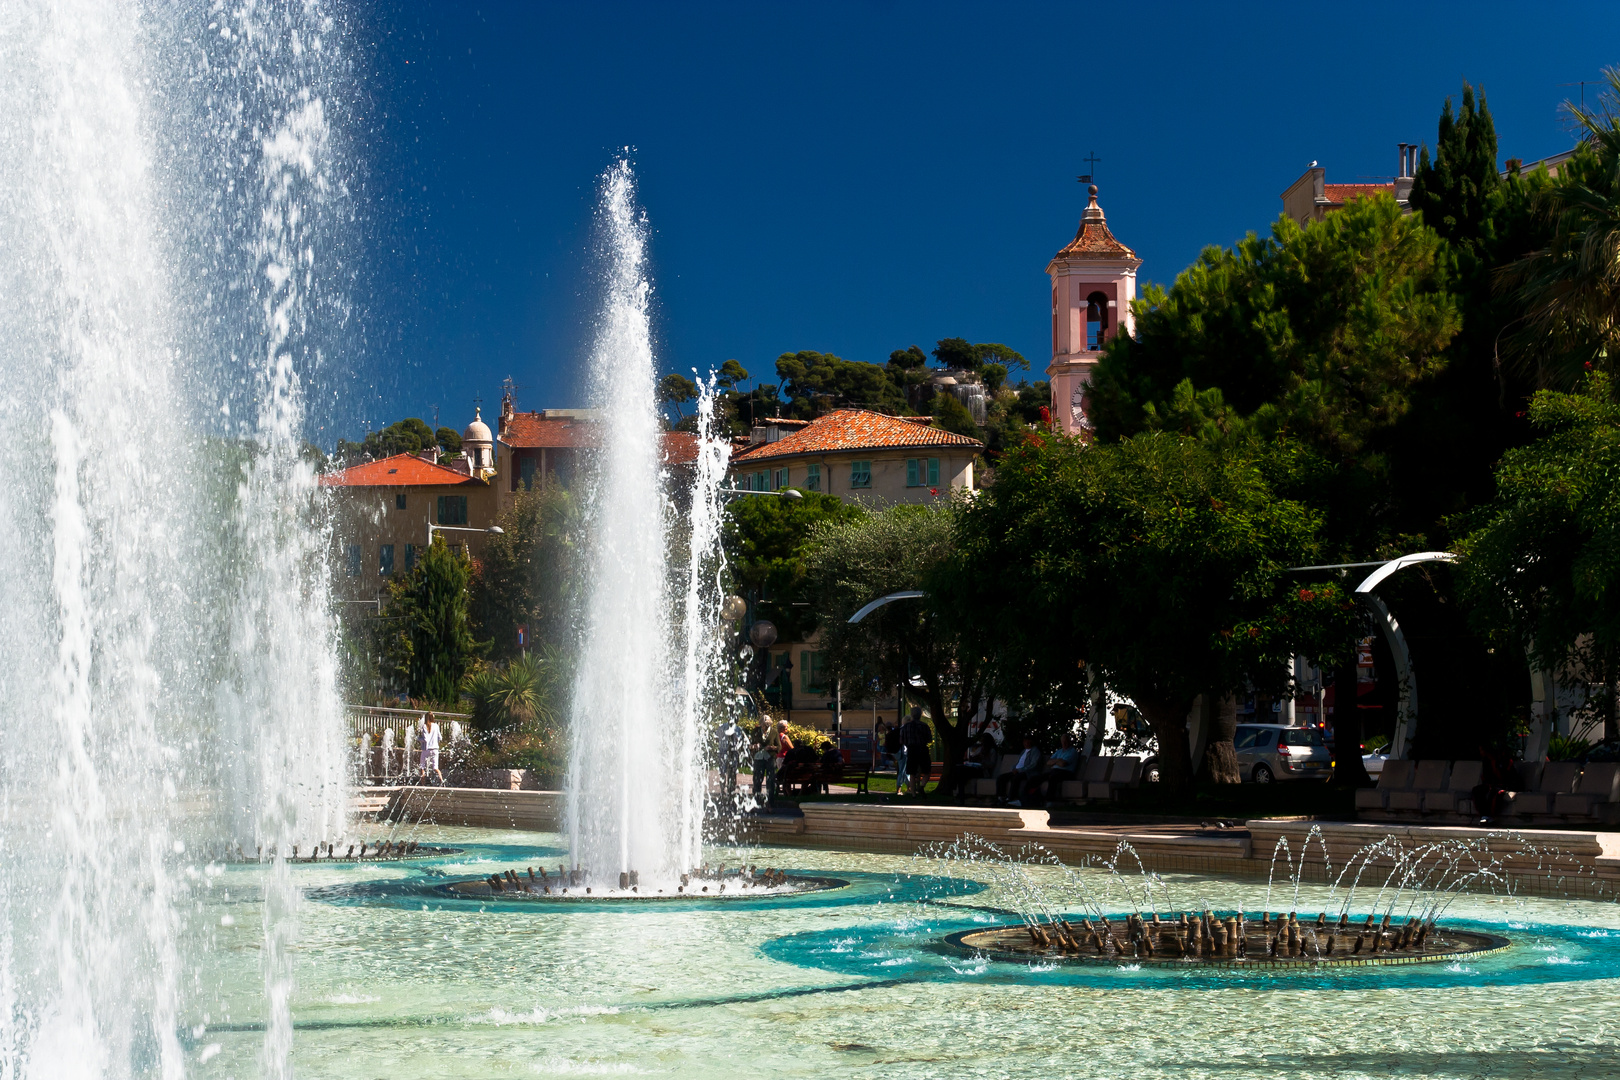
[(857, 429), (1094, 240), (400, 470)]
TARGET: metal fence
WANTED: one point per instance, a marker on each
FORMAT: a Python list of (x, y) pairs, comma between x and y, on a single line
[(372, 719)]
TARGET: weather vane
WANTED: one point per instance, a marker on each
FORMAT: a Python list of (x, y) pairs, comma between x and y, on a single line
[(1090, 159)]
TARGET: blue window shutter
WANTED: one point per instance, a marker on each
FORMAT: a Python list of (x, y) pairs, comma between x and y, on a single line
[(813, 478), (911, 472), (933, 472)]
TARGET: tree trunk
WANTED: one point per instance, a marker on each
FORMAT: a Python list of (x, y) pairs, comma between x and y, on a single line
[(952, 734), (1168, 719), (1349, 771), (1220, 756)]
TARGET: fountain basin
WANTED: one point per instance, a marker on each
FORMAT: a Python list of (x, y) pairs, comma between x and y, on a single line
[(1014, 943), (704, 889)]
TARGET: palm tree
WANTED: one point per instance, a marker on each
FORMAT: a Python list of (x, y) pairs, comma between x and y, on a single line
[(523, 695), (1570, 289)]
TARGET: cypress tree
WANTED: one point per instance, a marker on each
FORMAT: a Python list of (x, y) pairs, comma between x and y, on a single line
[(1457, 193)]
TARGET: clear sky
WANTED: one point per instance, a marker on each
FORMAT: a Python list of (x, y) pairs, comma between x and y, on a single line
[(856, 178)]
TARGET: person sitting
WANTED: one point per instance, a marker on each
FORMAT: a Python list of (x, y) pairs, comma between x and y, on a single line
[(1028, 762), (1064, 764), (832, 765), (976, 764)]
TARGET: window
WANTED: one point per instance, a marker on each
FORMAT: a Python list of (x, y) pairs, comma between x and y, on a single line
[(860, 474), (812, 481), (748, 482), (781, 479), (452, 509), (1264, 738), (762, 481), (922, 472), (1303, 737), (410, 557), (933, 472), (354, 560), (812, 672), (399, 501), (526, 469), (1096, 320), (1244, 738), (385, 560)]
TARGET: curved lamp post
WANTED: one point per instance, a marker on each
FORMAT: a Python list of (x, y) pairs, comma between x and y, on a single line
[(432, 528)]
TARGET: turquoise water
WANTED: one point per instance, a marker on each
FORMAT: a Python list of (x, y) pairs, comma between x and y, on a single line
[(398, 979)]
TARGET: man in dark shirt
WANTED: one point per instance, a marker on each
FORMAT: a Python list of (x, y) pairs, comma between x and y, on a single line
[(918, 739)]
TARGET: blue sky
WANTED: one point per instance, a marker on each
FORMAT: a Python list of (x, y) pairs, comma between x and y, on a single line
[(856, 178)]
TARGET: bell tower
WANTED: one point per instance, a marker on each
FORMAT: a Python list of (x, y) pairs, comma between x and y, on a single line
[(1093, 284)]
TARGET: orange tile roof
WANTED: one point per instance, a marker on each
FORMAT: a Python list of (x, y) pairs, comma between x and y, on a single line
[(679, 448), (1338, 194), (532, 430), (400, 470), (1095, 239), (853, 430)]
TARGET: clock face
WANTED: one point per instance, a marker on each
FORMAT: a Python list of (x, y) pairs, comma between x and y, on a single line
[(1077, 407)]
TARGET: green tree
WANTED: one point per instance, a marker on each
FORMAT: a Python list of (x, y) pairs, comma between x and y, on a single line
[(766, 541), (853, 562), (1458, 193), (1315, 334), (1541, 568), (527, 575), (816, 383), (951, 415), (448, 438), (434, 642), (676, 389), (1158, 563)]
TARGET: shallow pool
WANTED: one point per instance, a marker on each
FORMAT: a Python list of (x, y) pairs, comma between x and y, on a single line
[(399, 978)]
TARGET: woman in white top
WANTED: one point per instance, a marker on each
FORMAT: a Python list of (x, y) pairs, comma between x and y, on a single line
[(430, 748)]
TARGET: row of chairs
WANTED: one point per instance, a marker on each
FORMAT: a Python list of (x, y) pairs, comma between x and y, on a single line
[(1100, 778), (1556, 791)]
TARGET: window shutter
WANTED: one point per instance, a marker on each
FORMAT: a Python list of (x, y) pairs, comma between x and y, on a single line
[(933, 472), (911, 472)]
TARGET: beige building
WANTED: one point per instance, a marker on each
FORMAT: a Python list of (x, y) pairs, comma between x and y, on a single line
[(868, 457), (384, 509), (1311, 197)]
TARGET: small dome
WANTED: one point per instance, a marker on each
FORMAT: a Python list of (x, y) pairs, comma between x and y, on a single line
[(477, 431)]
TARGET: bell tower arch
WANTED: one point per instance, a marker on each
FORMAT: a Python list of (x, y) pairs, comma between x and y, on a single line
[(1093, 284)]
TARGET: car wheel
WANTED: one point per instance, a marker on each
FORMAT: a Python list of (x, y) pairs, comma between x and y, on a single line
[(1150, 772), (1262, 774)]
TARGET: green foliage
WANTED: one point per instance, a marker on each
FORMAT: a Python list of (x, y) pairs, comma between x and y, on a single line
[(952, 415), (1457, 194), (449, 438), (433, 646), (527, 575), (1158, 562), (766, 541), (517, 709), (1320, 332), (730, 374), (993, 375), (958, 354), (908, 359), (816, 383), (1569, 289), (854, 562), (1542, 564), (1567, 748), (676, 389), (401, 437)]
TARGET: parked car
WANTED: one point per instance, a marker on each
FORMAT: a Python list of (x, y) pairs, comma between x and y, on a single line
[(1272, 752)]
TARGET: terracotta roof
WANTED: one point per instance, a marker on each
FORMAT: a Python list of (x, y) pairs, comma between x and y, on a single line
[(1338, 194), (401, 470), (532, 430), (1094, 240), (680, 448), (856, 429)]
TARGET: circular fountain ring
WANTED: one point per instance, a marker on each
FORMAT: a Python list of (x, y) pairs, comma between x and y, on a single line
[(705, 889), (416, 855), (1015, 943)]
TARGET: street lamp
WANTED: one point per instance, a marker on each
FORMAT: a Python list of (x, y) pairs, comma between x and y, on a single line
[(432, 528), (786, 493)]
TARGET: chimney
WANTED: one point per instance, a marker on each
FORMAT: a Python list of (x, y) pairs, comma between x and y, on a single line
[(1404, 174), (430, 454)]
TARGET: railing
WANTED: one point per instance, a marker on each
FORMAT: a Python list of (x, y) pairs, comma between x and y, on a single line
[(372, 719)]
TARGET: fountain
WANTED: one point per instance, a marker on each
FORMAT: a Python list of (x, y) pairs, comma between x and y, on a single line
[(169, 204)]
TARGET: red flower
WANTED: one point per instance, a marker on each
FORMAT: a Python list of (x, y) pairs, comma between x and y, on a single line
[(1254, 631), (1046, 415), (1307, 595)]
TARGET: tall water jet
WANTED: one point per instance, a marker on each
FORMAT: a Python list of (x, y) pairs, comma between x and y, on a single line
[(637, 767), (167, 667)]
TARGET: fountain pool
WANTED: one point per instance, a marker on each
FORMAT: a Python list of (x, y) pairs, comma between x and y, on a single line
[(396, 978)]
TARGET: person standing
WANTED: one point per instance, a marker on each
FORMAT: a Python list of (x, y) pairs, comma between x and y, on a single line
[(430, 748), (917, 739), (730, 752)]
